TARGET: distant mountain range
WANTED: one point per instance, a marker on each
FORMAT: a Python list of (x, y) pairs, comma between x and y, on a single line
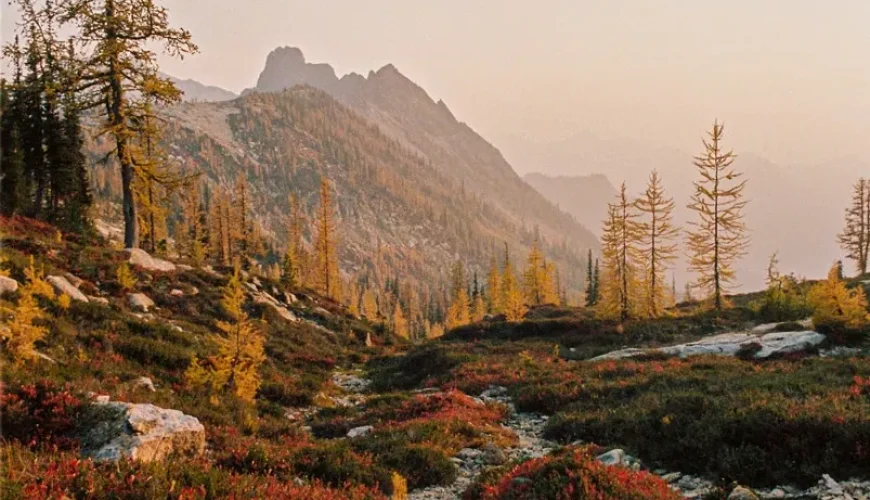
[(796, 211), (415, 188), (583, 196), (194, 91)]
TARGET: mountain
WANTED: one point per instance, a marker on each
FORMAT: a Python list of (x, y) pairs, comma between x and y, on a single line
[(405, 112), (583, 196), (195, 91), (400, 218), (795, 211)]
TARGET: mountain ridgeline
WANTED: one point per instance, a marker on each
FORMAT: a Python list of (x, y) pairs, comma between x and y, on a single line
[(401, 219), (405, 112)]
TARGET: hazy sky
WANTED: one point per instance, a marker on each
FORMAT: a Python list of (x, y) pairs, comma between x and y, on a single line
[(791, 78)]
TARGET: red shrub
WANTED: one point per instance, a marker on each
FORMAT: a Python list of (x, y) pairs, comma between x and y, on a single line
[(40, 415), (574, 474)]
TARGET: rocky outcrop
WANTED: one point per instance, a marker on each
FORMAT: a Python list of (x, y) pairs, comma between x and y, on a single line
[(266, 299), (63, 287), (7, 285), (141, 432), (140, 302), (362, 430), (730, 344), (140, 258)]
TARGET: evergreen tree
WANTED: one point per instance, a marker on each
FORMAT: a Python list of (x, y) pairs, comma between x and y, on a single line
[(294, 255), (13, 193), (116, 72), (718, 236), (855, 238), (837, 308), (657, 247), (242, 228)]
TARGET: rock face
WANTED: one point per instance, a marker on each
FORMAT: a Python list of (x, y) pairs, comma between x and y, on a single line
[(265, 298), (62, 286), (729, 344), (140, 302), (359, 431), (7, 285), (139, 257), (141, 432)]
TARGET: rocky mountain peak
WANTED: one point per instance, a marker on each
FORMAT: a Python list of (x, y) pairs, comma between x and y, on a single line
[(286, 67)]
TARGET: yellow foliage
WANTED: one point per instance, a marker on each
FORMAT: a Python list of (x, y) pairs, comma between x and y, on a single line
[(126, 279), (63, 301), (620, 255), (22, 329), (400, 487), (240, 351), (400, 324), (835, 307), (512, 300), (478, 308)]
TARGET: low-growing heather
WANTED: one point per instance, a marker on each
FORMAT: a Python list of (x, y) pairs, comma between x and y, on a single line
[(573, 473)]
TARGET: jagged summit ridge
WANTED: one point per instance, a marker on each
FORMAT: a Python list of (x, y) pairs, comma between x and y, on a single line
[(405, 112)]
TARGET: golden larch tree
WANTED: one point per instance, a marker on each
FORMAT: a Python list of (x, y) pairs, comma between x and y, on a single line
[(399, 323), (836, 307), (326, 270), (23, 328), (493, 282), (513, 306), (294, 256), (235, 369), (533, 276), (718, 236), (459, 311), (855, 238), (657, 245), (619, 251)]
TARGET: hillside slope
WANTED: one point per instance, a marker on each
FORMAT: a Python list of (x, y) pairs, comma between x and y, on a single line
[(405, 112), (398, 215)]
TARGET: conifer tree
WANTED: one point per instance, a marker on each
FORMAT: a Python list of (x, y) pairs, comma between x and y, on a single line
[(236, 367), (459, 312), (294, 255), (533, 277), (370, 305), (511, 297), (590, 281), (718, 236), (192, 231), (855, 238), (326, 274), (23, 329), (242, 227), (549, 283), (619, 249), (399, 323), (478, 308), (837, 308), (494, 305), (657, 243), (13, 193), (116, 69)]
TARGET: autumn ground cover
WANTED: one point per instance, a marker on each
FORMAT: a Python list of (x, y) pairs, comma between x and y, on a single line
[(782, 421)]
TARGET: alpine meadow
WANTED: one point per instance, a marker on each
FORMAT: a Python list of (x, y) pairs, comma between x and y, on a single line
[(228, 271)]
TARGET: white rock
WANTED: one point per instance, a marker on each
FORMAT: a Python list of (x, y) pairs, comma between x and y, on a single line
[(140, 302), (176, 292), (62, 286), (359, 431), (729, 344), (141, 432), (140, 258), (612, 457), (98, 300), (7, 285), (145, 383), (73, 279), (265, 298)]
